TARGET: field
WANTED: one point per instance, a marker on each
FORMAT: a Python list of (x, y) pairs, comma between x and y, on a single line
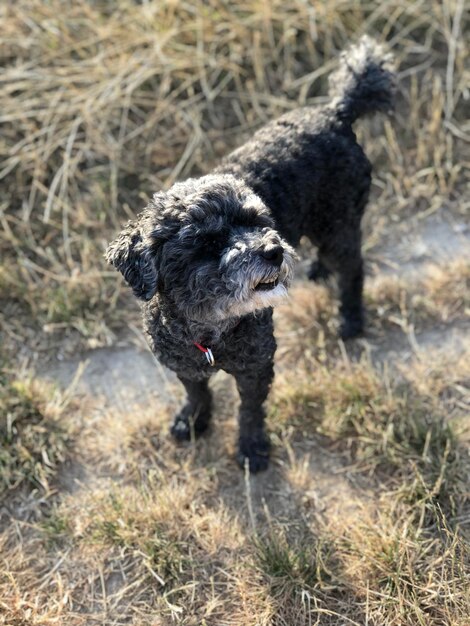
[(363, 517)]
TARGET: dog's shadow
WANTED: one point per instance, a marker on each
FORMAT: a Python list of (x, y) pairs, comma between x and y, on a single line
[(280, 510)]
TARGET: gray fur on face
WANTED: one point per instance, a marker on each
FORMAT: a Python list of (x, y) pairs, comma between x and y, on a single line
[(244, 269)]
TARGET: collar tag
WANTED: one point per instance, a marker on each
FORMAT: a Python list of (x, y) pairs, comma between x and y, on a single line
[(207, 352), (210, 357)]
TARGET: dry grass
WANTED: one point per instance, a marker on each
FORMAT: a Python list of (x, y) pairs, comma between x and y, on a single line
[(179, 536), (33, 436), (381, 425), (102, 107), (308, 320), (363, 517)]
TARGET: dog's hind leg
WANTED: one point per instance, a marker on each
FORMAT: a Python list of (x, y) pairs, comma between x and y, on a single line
[(253, 443), (194, 417), (351, 281), (344, 258)]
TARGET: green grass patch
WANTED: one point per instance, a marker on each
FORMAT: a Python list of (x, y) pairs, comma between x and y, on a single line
[(33, 442), (298, 562), (403, 571), (391, 430), (132, 527)]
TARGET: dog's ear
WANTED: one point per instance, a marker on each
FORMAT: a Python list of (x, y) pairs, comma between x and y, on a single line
[(133, 255)]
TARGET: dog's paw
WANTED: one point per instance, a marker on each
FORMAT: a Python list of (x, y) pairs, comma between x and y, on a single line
[(318, 272), (181, 430), (184, 425), (255, 451), (351, 327)]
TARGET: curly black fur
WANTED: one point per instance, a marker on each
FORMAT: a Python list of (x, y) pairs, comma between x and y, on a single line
[(212, 255)]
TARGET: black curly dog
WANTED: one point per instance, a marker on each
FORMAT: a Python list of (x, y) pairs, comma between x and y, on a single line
[(211, 256)]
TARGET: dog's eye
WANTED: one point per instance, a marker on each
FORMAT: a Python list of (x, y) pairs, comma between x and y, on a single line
[(214, 246), (215, 241), (209, 247)]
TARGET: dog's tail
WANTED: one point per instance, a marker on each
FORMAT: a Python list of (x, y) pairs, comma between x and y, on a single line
[(364, 82)]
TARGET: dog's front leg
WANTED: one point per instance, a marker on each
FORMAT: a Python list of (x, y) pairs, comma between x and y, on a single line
[(253, 443), (194, 417)]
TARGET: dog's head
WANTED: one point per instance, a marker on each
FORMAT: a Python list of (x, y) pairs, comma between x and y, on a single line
[(210, 246)]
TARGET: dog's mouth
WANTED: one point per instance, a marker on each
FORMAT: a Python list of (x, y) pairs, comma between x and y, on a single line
[(267, 285)]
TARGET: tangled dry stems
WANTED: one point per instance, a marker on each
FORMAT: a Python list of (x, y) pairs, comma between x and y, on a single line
[(99, 108)]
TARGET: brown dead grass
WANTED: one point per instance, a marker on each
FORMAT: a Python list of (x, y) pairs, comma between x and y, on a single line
[(363, 516), (102, 107), (308, 321), (176, 533)]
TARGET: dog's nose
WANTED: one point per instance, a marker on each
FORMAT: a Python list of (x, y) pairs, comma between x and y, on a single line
[(273, 255)]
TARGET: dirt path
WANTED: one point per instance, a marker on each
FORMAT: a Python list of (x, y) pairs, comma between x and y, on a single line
[(129, 374)]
